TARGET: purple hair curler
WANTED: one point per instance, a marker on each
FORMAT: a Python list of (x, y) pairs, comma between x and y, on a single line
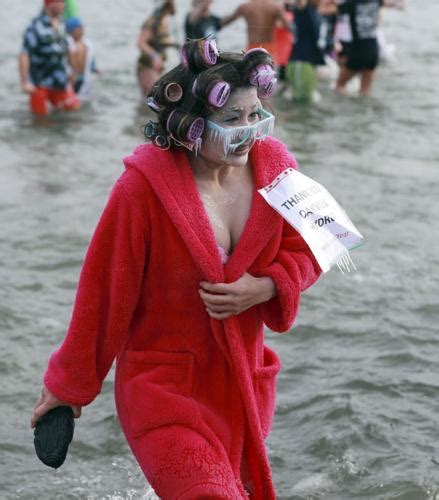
[(210, 52), (173, 92), (195, 130), (187, 128), (219, 94), (261, 75), (151, 102), (200, 54), (267, 90), (216, 93)]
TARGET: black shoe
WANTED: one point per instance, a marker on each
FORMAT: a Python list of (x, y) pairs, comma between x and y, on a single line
[(53, 434)]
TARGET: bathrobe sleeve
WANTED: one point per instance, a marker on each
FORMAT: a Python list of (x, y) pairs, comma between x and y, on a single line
[(106, 298), (293, 270)]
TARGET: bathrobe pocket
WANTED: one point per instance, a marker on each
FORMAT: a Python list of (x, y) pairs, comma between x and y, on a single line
[(158, 390), (265, 388)]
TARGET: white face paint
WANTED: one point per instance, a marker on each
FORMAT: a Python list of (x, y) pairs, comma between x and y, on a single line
[(232, 131)]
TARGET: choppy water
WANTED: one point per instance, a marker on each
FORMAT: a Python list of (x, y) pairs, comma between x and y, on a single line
[(358, 406)]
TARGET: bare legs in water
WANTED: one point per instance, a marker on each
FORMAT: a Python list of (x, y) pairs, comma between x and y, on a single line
[(346, 74)]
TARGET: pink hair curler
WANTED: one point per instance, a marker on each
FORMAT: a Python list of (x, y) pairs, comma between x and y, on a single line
[(261, 75), (210, 52), (187, 128), (267, 90), (219, 94), (216, 93)]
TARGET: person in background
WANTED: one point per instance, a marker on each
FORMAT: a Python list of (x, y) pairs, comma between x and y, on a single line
[(262, 17), (187, 264), (326, 41), (83, 61), (43, 62), (153, 41), (301, 69), (283, 42), (357, 34), (200, 22)]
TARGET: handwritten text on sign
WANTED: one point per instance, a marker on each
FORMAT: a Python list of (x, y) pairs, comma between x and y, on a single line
[(315, 214)]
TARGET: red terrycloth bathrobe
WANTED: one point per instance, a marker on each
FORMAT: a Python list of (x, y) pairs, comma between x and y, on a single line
[(195, 396)]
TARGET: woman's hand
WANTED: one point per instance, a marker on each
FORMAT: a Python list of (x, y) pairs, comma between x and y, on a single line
[(46, 402), (223, 300)]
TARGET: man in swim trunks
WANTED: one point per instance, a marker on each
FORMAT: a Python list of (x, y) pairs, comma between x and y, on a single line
[(43, 62), (261, 17), (359, 54)]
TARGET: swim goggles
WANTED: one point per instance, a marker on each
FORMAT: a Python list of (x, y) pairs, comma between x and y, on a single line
[(234, 137)]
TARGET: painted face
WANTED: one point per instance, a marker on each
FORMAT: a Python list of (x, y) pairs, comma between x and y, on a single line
[(232, 130)]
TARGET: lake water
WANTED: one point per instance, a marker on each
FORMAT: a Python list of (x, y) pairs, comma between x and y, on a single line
[(358, 406)]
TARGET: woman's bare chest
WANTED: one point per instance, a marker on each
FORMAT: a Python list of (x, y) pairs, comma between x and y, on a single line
[(228, 212)]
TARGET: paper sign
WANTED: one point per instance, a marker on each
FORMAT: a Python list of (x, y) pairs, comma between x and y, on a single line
[(316, 215)]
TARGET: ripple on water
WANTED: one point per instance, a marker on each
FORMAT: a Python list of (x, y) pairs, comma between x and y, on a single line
[(11, 318), (368, 387)]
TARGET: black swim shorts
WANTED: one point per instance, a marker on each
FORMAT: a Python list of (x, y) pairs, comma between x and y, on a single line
[(360, 55)]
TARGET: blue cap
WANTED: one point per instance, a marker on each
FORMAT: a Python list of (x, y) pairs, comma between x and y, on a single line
[(72, 23)]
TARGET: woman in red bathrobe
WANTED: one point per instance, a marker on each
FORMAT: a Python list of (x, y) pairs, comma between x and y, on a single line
[(185, 267)]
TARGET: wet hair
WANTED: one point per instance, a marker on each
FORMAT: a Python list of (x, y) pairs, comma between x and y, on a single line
[(201, 84)]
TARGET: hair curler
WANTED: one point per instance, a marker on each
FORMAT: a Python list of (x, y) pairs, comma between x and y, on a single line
[(173, 92), (152, 103), (199, 54), (266, 90), (150, 129), (261, 75), (161, 141), (216, 92), (183, 126)]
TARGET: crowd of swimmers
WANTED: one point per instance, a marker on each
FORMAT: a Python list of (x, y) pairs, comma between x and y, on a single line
[(57, 62)]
